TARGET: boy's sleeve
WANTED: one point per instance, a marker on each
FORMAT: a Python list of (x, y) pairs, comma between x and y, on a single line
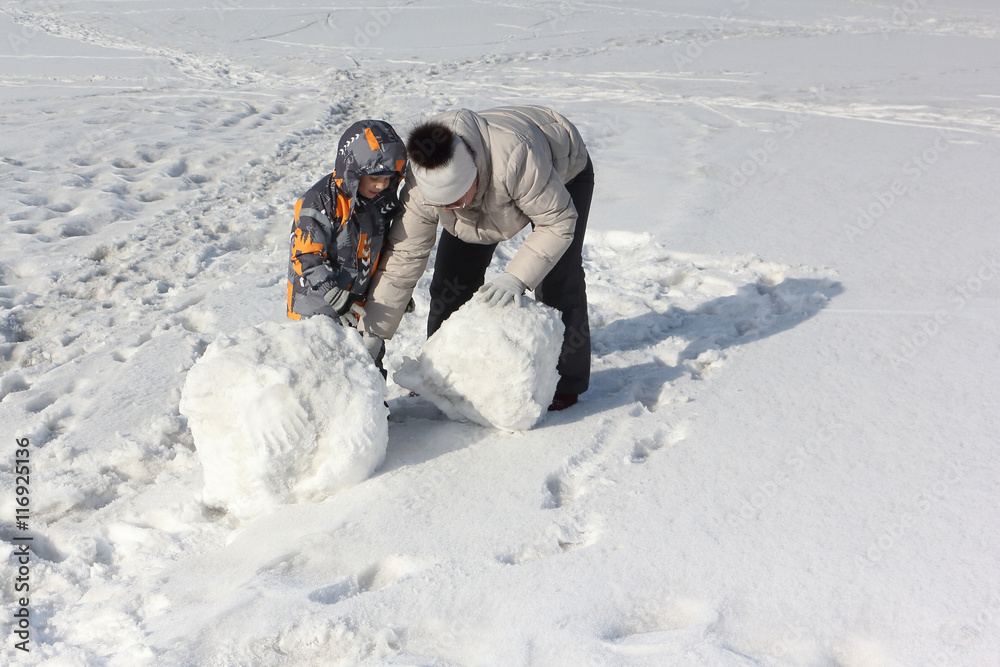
[(313, 238)]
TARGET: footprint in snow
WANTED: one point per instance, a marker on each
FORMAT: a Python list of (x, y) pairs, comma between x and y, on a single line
[(644, 447), (578, 475), (123, 163), (12, 383), (595, 465), (123, 354), (38, 403), (74, 230), (558, 539), (49, 417), (177, 169), (676, 629), (61, 207), (373, 578)]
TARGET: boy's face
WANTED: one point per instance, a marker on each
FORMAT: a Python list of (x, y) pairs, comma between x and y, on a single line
[(370, 186)]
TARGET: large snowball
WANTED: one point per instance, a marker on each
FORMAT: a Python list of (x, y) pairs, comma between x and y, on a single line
[(491, 365), (284, 413)]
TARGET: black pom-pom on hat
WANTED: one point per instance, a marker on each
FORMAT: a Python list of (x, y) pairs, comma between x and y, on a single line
[(430, 145)]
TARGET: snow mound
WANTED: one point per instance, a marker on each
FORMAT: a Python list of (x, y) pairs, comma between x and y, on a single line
[(494, 366), (284, 413)]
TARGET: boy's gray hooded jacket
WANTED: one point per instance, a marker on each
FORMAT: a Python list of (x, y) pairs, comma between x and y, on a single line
[(337, 235)]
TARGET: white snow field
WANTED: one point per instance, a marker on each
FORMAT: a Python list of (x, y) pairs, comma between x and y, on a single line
[(788, 454)]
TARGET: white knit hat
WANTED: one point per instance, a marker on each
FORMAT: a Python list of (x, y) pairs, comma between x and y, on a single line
[(447, 183)]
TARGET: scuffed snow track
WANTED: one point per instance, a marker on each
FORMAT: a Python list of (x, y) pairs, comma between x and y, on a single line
[(163, 61)]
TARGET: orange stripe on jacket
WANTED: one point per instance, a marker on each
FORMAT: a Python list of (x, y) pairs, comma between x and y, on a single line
[(343, 208), (372, 141), (303, 245), (291, 313), (364, 247)]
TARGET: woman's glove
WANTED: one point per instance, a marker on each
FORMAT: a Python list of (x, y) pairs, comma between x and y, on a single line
[(505, 289)]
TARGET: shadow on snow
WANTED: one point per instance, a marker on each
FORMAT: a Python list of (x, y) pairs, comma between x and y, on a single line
[(699, 335)]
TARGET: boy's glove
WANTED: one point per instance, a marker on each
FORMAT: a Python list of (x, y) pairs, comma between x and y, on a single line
[(505, 289), (345, 305), (340, 300), (374, 344)]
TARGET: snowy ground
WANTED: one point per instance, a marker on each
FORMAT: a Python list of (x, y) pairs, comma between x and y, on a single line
[(787, 456)]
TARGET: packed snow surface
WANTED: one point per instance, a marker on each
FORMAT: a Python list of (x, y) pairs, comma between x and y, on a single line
[(284, 413), (492, 365), (788, 453)]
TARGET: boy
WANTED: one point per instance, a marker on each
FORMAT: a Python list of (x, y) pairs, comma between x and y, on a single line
[(340, 224)]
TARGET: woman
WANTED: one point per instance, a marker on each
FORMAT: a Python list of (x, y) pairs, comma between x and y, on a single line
[(484, 176)]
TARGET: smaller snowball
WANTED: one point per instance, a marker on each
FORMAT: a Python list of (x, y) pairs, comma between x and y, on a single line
[(495, 366)]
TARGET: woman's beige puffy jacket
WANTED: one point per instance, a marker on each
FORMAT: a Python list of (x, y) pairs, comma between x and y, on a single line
[(524, 157)]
